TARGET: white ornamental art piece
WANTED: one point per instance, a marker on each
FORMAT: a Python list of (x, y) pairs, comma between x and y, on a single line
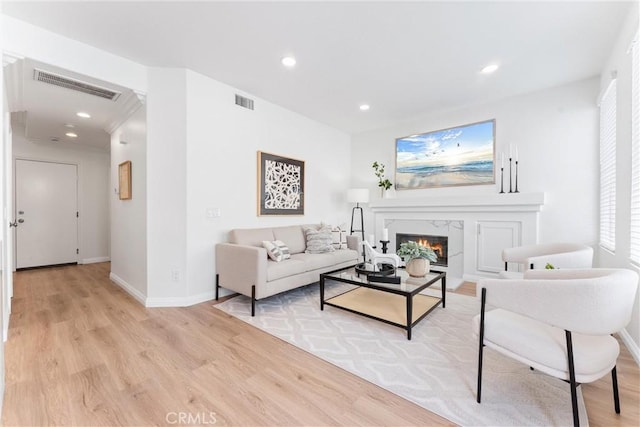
[(280, 185)]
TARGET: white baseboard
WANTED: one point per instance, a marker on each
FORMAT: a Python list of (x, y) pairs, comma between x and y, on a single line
[(180, 301), (631, 345), (139, 296), (95, 260), (162, 302)]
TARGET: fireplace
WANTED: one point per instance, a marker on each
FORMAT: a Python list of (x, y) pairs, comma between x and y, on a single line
[(439, 244)]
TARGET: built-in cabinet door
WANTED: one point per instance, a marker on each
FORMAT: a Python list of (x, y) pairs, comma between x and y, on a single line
[(493, 237)]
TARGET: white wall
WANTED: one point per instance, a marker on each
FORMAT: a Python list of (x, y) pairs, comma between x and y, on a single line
[(620, 61), (5, 146), (129, 217), (93, 184), (166, 185), (222, 144), (557, 138)]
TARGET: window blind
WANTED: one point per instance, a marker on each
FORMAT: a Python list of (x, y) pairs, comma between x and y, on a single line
[(608, 168), (635, 152)]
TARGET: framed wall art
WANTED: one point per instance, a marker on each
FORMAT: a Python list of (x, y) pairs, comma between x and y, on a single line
[(280, 185), (124, 179), (462, 155)]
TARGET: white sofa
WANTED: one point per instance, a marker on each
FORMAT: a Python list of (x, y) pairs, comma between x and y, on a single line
[(242, 264)]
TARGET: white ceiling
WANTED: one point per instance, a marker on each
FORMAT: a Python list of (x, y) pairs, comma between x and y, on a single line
[(402, 58)]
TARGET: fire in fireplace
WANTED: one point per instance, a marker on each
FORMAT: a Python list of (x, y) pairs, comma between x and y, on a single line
[(439, 244)]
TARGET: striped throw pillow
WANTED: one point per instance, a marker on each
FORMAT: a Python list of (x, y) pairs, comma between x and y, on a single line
[(276, 250)]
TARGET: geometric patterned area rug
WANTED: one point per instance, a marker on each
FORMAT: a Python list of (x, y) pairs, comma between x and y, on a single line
[(437, 369)]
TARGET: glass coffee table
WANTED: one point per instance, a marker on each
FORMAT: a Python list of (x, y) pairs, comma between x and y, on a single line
[(387, 302)]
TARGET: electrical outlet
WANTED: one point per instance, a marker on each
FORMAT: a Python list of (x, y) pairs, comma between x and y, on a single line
[(212, 213), (175, 275)]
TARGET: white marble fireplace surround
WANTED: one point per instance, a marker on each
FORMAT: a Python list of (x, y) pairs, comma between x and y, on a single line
[(478, 227)]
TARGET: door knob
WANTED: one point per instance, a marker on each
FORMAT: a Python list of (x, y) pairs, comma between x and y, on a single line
[(13, 224), (21, 220)]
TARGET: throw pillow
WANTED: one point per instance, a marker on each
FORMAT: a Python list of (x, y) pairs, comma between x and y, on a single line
[(286, 254), (276, 250), (273, 251), (319, 240)]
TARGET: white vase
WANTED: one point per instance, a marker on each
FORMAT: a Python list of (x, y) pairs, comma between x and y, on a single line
[(418, 267), (386, 193)]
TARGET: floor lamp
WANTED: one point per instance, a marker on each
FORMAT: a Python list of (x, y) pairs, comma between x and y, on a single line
[(357, 196)]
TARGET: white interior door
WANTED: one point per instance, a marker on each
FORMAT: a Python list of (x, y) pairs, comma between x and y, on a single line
[(46, 210)]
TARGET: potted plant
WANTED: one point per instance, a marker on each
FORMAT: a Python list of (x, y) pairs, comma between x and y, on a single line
[(417, 258), (383, 182)]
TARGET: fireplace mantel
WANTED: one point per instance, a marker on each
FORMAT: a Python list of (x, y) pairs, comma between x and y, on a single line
[(512, 202), (487, 223)]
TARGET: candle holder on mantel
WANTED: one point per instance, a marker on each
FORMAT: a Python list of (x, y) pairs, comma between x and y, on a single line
[(502, 180), (510, 190), (516, 178)]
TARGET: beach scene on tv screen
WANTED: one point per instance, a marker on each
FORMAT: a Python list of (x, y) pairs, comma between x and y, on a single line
[(457, 156)]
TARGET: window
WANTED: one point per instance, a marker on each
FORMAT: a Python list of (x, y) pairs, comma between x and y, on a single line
[(635, 152), (608, 168)]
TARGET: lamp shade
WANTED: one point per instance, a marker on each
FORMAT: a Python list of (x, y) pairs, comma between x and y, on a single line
[(358, 195)]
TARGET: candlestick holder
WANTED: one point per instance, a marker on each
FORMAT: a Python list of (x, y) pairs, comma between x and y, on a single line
[(510, 190), (501, 180), (516, 178)]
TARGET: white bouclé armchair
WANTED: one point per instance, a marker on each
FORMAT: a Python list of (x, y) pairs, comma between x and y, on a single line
[(558, 322), (559, 255)]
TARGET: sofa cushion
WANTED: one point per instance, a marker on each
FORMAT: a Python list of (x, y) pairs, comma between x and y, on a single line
[(317, 261), (345, 255), (251, 236), (292, 236), (286, 268), (329, 259)]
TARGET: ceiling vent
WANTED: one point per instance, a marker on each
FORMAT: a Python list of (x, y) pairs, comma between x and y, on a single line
[(244, 102), (57, 80)]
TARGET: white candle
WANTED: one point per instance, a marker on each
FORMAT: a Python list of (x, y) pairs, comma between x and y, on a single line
[(502, 160), (372, 240), (510, 151), (385, 234), (516, 153)]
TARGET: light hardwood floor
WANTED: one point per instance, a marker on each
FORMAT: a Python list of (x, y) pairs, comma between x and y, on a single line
[(82, 352)]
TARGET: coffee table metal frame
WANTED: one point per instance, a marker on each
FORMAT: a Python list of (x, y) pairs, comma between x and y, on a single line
[(415, 288)]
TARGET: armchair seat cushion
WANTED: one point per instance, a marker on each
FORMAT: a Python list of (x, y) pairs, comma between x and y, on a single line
[(526, 339)]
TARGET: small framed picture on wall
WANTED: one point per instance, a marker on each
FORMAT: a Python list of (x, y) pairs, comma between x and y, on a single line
[(124, 178)]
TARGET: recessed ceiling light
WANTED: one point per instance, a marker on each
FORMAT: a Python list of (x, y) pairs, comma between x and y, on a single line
[(83, 115), (489, 68), (68, 125), (289, 61), (71, 135), (364, 107)]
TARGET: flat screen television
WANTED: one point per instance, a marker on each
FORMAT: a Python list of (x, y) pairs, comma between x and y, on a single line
[(462, 155)]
